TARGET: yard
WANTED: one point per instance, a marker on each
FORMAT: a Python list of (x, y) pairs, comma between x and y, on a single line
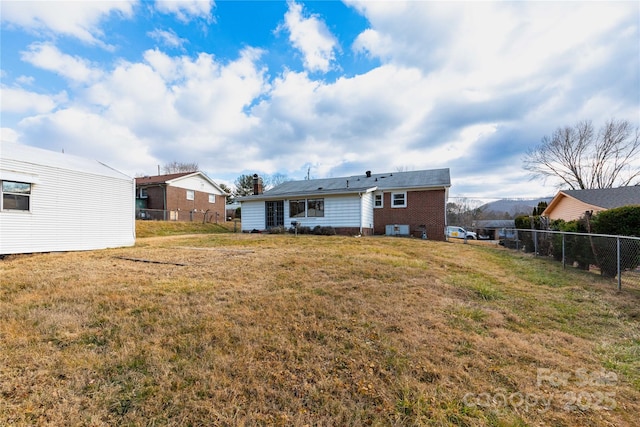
[(252, 329)]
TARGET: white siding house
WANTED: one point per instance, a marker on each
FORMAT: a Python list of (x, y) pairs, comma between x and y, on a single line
[(359, 204), (340, 211), (59, 202)]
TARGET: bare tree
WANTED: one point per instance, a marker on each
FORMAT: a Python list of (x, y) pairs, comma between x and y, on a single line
[(178, 167), (274, 180), (464, 211), (580, 158)]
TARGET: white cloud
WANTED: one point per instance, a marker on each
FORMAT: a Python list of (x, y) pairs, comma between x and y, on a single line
[(89, 135), (48, 57), (15, 100), (79, 19), (185, 10), (147, 113), (467, 86), (8, 135), (373, 44), (311, 37), (167, 38)]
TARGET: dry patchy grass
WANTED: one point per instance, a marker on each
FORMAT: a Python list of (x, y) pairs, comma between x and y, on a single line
[(239, 329)]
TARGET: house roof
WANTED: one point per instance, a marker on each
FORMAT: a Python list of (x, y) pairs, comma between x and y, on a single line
[(495, 223), (605, 198), (53, 159), (423, 179), (173, 177), (161, 179)]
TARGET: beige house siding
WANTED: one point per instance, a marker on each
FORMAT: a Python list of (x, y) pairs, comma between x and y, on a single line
[(569, 209)]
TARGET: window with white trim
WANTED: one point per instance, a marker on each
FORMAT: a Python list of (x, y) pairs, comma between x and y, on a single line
[(378, 201), (16, 196), (191, 195), (212, 198), (399, 200)]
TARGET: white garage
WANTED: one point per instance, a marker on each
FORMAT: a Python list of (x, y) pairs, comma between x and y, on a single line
[(59, 202)]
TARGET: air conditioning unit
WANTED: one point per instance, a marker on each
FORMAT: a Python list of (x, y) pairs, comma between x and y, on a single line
[(397, 229)]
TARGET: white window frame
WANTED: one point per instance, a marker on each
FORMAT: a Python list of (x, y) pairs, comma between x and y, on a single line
[(393, 199), (212, 198), (27, 195), (381, 200), (191, 194)]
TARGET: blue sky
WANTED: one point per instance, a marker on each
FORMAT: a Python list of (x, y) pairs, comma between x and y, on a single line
[(334, 88)]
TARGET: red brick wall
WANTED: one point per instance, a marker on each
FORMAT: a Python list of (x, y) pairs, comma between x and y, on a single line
[(177, 201), (423, 208), (155, 197)]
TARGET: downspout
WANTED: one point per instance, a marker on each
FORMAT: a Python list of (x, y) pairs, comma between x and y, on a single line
[(360, 205), (164, 201)]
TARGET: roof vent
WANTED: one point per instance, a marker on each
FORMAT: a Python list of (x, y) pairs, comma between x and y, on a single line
[(368, 174)]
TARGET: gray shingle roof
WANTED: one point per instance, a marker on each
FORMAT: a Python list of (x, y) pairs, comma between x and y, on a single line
[(608, 198), (433, 178), (495, 223)]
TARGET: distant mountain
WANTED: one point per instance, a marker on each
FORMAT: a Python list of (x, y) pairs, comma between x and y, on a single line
[(513, 207)]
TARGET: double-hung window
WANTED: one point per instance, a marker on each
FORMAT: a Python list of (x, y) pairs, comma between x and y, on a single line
[(378, 201), (16, 196), (399, 200), (212, 198), (191, 194)]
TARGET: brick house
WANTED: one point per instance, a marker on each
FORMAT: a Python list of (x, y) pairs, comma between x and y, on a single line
[(399, 203), (187, 196)]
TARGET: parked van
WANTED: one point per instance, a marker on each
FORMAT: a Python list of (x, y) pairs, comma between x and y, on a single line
[(460, 233)]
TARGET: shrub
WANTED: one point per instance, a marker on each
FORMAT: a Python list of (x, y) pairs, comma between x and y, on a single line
[(324, 230), (543, 240), (623, 221), (577, 249)]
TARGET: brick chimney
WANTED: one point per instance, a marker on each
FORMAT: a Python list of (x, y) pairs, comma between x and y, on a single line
[(257, 185)]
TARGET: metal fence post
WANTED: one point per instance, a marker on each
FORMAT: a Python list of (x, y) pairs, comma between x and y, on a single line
[(564, 260), (618, 260)]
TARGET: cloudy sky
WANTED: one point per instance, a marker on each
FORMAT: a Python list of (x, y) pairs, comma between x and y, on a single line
[(326, 88)]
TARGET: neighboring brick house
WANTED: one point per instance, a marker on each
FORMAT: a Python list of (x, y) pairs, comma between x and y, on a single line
[(398, 203), (187, 196), (572, 204)]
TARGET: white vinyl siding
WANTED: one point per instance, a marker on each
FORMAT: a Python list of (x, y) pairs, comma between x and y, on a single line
[(367, 210), (339, 211), (196, 183), (253, 215), (69, 209)]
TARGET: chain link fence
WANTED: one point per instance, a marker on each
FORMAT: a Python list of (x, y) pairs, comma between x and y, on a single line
[(611, 256), (178, 215)]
